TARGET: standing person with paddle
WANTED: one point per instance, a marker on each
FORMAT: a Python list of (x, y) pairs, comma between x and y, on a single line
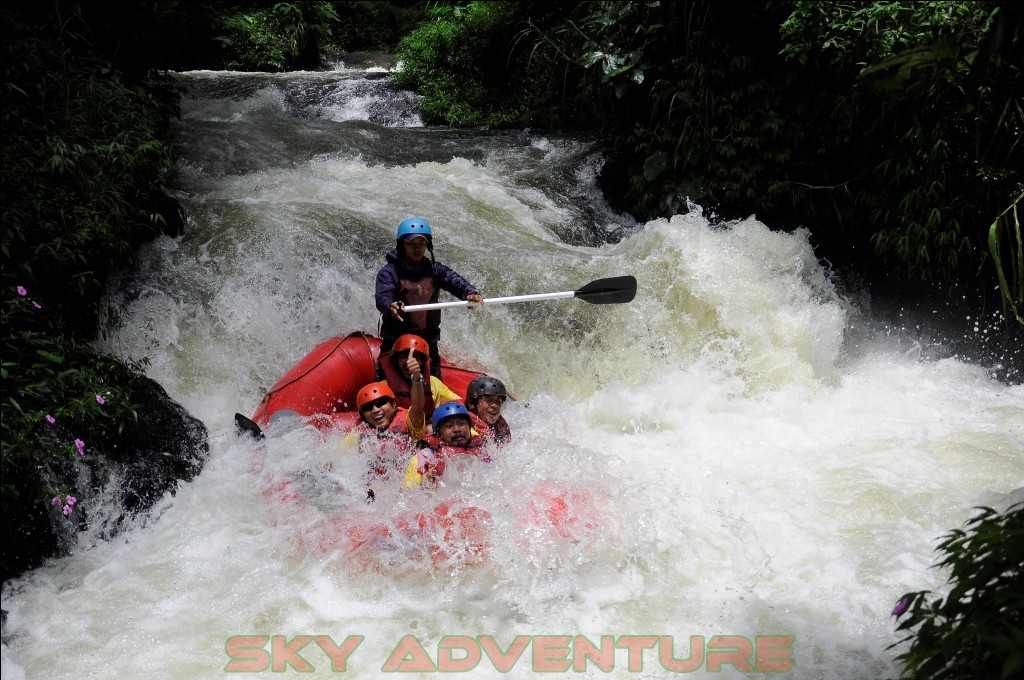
[(615, 290), (411, 278)]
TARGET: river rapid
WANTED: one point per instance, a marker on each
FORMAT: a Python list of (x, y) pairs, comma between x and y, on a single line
[(749, 460)]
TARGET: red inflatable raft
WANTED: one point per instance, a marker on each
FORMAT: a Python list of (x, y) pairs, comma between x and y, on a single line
[(322, 387)]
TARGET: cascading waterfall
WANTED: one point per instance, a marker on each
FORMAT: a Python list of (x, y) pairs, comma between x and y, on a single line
[(748, 456)]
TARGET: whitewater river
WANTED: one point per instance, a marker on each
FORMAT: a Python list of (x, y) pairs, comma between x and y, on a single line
[(751, 464)]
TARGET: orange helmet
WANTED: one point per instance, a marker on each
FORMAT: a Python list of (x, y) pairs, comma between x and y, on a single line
[(372, 392), (413, 342)]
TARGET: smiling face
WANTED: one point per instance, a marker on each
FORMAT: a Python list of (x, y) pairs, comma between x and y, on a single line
[(379, 412), (455, 430), (414, 248), (488, 407)]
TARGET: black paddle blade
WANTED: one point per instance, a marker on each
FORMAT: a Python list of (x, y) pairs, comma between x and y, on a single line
[(609, 291), (243, 425)]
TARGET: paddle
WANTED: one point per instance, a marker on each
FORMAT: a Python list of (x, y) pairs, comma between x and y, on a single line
[(611, 291), (244, 425)]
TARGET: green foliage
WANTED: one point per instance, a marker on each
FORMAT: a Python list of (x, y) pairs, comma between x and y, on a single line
[(83, 160), (934, 133), (286, 36), (253, 42), (1005, 236), (460, 64), (977, 630), (50, 376), (890, 127), (367, 25), (855, 35), (706, 113)]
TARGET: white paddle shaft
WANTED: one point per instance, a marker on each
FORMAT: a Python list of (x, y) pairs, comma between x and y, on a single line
[(490, 301)]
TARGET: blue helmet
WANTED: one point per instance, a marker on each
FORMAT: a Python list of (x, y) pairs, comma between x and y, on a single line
[(414, 226), (447, 410)]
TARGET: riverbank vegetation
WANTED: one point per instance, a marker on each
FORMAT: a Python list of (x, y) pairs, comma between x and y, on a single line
[(85, 156), (84, 152), (975, 630), (890, 130)]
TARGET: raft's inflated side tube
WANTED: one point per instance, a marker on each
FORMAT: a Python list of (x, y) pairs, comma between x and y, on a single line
[(457, 379), (325, 381)]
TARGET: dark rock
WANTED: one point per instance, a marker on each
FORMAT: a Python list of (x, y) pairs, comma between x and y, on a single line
[(174, 215), (118, 480), (368, 60), (166, 445), (28, 535)]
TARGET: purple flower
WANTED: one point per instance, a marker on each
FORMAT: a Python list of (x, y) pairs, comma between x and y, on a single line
[(50, 419), (80, 445), (901, 606), (56, 500), (100, 400), (36, 305), (21, 291), (67, 510), (71, 500)]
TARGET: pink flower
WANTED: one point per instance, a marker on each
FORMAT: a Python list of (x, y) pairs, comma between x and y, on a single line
[(56, 500), (71, 500), (80, 445), (50, 419), (36, 305), (100, 400), (67, 510), (21, 291)]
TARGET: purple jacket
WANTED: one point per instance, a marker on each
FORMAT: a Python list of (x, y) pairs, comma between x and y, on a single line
[(399, 275)]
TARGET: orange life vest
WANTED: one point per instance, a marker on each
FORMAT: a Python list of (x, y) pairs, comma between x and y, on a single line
[(434, 453), (403, 388), (499, 433), (388, 449)]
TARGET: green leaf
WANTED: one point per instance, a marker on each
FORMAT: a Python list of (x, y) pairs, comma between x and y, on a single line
[(655, 165)]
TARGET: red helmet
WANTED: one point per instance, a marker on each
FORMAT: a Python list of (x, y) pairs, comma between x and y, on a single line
[(413, 342), (372, 392)]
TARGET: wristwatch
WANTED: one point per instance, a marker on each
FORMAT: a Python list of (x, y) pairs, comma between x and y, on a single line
[(418, 381)]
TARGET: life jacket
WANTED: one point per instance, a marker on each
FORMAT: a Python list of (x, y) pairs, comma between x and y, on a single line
[(418, 292), (403, 388), (416, 286), (499, 433), (387, 449), (434, 453)]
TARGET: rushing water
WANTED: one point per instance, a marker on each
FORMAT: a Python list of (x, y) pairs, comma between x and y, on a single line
[(743, 451)]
